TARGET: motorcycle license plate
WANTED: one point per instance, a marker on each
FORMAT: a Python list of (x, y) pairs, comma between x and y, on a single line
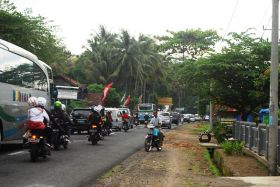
[(30, 140), (92, 130)]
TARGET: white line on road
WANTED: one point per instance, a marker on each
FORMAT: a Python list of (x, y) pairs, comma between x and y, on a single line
[(17, 153)]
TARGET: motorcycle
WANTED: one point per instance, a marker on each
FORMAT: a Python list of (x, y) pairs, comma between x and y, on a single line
[(94, 136), (106, 131), (37, 145), (152, 141), (125, 126), (60, 137)]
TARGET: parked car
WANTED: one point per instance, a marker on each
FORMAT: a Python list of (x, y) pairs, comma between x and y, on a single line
[(165, 119), (206, 118), (175, 117), (192, 118), (197, 117), (79, 117), (117, 120)]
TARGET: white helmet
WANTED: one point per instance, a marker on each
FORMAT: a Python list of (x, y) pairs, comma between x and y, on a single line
[(98, 108), (150, 126), (32, 101), (63, 107), (42, 101)]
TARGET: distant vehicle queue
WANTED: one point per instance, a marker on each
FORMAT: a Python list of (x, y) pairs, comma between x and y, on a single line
[(27, 91)]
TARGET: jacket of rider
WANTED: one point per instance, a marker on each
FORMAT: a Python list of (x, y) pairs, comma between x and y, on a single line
[(125, 117), (36, 116)]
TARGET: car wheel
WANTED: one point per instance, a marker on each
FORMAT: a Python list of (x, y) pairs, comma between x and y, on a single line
[(169, 127)]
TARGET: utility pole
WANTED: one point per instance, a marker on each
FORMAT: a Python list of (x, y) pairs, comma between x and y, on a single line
[(211, 109), (273, 99)]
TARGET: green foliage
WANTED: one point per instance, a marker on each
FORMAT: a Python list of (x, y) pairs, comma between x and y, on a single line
[(95, 88), (202, 128), (213, 169), (237, 73), (113, 98), (232, 147), (33, 33), (188, 44), (133, 64), (219, 130)]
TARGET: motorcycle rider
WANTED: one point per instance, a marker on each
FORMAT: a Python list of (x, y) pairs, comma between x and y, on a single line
[(109, 120), (36, 117), (59, 113), (125, 117), (95, 118), (156, 122), (48, 130)]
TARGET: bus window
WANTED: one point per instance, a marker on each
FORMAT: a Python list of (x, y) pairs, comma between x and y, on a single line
[(40, 79), (15, 70)]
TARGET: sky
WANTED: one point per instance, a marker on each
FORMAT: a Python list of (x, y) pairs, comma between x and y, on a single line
[(77, 20)]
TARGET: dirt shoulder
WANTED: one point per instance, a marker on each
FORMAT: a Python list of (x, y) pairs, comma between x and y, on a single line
[(180, 163)]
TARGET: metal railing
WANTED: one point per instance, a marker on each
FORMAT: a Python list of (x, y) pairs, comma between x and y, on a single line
[(255, 137)]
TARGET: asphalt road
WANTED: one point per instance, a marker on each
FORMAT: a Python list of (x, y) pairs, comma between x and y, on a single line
[(79, 165)]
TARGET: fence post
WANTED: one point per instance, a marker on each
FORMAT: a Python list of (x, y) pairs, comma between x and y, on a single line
[(266, 142), (258, 140), (250, 137)]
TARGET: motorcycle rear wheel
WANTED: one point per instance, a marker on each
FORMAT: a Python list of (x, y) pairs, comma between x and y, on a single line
[(33, 152), (56, 142), (65, 145), (93, 141)]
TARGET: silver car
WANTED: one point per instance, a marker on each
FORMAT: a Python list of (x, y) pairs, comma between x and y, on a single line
[(165, 119)]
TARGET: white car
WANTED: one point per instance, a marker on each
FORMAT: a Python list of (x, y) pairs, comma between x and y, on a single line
[(197, 117), (117, 120), (165, 119)]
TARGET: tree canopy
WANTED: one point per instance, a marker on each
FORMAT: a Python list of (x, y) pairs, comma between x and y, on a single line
[(33, 33)]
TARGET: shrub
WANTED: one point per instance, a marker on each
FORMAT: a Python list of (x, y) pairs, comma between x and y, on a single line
[(219, 131), (232, 147)]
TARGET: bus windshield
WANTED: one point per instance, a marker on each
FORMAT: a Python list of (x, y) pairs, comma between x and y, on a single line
[(145, 107)]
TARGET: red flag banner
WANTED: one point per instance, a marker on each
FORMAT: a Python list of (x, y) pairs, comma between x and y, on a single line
[(127, 101), (106, 90)]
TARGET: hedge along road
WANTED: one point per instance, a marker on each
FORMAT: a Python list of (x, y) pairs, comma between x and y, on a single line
[(80, 165)]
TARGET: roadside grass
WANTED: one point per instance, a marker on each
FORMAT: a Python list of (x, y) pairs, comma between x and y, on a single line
[(213, 169), (110, 173), (202, 127)]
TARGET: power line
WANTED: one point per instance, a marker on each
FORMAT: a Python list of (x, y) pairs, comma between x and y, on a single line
[(229, 23), (231, 18), (265, 27)]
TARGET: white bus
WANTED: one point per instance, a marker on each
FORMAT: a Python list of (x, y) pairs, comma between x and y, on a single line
[(21, 76)]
